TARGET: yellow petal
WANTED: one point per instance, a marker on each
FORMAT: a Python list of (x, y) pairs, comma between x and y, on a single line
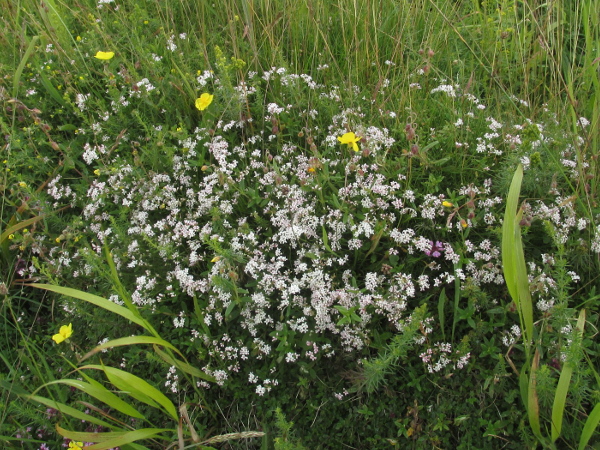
[(58, 338), (104, 55), (203, 101)]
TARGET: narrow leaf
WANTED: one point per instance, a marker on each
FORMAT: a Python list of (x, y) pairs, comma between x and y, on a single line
[(95, 300), (509, 265), (101, 393), (111, 439), (137, 388), (19, 226), (589, 429), (65, 409), (533, 407), (130, 340), (183, 366), (562, 388)]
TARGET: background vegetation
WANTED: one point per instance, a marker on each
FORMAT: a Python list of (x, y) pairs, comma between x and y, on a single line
[(237, 276)]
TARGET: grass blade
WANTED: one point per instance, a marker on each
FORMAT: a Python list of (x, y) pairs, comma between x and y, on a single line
[(562, 388), (130, 340), (137, 388), (589, 428), (99, 392), (509, 264), (111, 439), (94, 300)]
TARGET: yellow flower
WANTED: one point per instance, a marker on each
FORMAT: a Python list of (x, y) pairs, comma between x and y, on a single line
[(215, 259), (203, 101), (22, 184), (447, 204), (350, 139), (104, 55), (65, 332), (76, 445)]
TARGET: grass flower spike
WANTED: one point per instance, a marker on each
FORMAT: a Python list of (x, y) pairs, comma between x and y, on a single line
[(65, 332), (350, 139), (105, 56), (203, 101)]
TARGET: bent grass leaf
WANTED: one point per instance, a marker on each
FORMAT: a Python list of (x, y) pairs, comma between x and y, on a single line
[(589, 429), (137, 388), (509, 265), (562, 388), (65, 409), (94, 300), (185, 367), (112, 439), (130, 340), (99, 392), (533, 407), (19, 226)]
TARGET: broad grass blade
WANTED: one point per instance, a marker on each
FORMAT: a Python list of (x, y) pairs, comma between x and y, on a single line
[(94, 300), (112, 439), (562, 388), (130, 340), (533, 407), (183, 366), (65, 409), (137, 388), (99, 392), (509, 264), (589, 429)]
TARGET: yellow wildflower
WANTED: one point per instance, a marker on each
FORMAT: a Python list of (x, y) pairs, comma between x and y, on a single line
[(350, 139), (203, 101), (447, 204), (65, 332), (104, 55)]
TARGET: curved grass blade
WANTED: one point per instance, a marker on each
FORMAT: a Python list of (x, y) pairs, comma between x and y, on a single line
[(112, 439), (94, 300), (183, 366), (65, 409), (130, 340), (562, 388), (589, 429), (99, 392), (137, 388)]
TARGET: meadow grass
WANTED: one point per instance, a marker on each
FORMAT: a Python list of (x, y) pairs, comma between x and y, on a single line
[(299, 224)]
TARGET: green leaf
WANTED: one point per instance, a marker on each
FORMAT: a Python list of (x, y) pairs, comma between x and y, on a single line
[(94, 300), (137, 388), (130, 340), (441, 304), (509, 263), (183, 366), (112, 439), (19, 226), (24, 59), (589, 429), (99, 392), (65, 409), (533, 407), (562, 388)]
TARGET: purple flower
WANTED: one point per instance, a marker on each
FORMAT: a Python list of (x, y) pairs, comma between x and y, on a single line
[(435, 249)]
